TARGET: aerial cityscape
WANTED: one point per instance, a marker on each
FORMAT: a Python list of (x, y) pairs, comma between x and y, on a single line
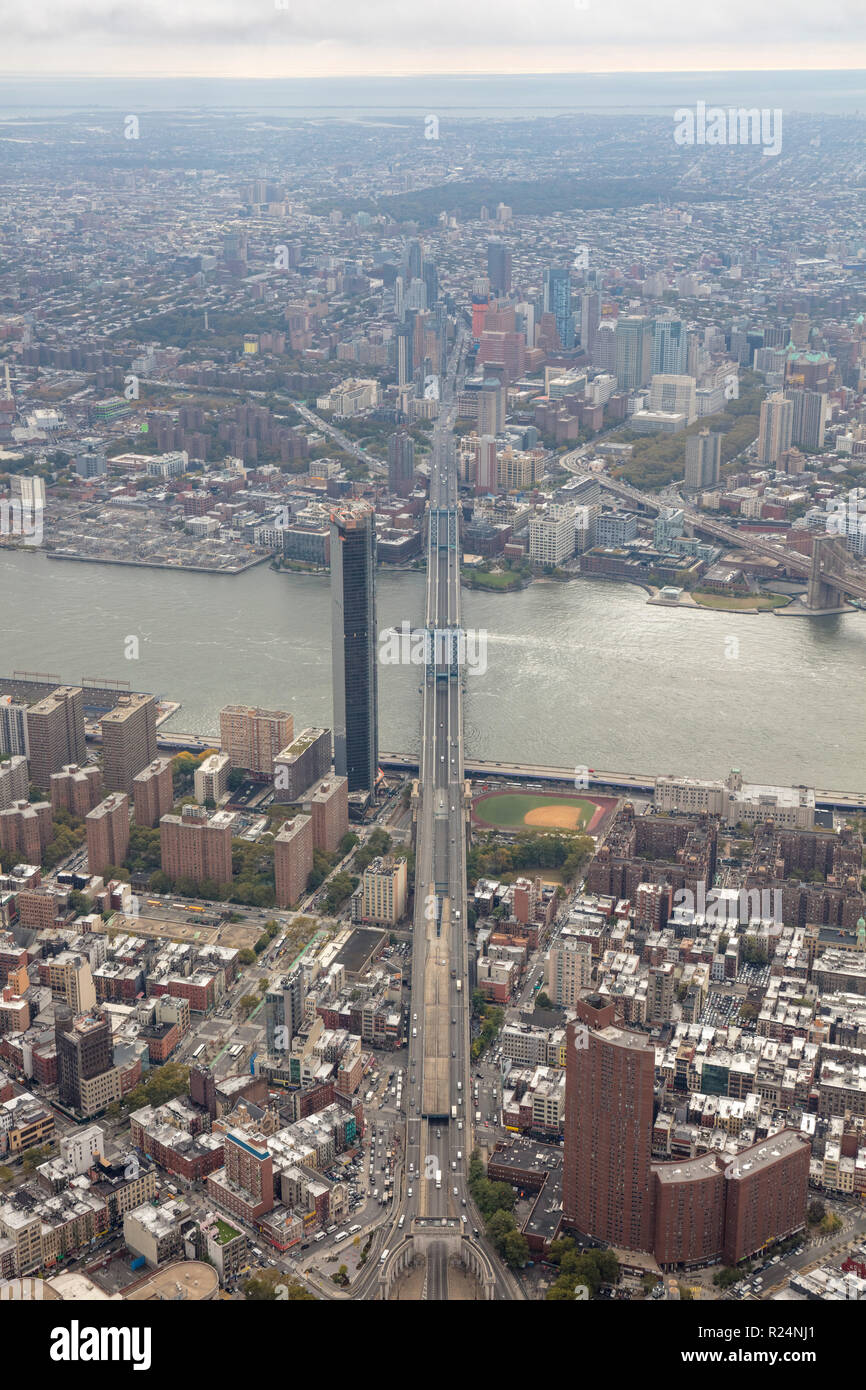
[(432, 665)]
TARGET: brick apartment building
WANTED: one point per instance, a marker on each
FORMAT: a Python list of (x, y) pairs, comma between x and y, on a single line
[(55, 729), (197, 846), (687, 1212), (253, 737), (25, 829), (153, 792), (293, 859), (107, 828), (329, 808), (128, 741), (75, 789)]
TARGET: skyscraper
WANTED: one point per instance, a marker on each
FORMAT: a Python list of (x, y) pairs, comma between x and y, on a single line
[(670, 348), (590, 318), (13, 727), (776, 428), (401, 463), (703, 459), (557, 301), (633, 351), (810, 417), (353, 638), (128, 741), (55, 728), (499, 266)]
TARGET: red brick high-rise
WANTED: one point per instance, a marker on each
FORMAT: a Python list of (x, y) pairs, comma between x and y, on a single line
[(107, 833), (608, 1188), (197, 846), (329, 807), (76, 789), (153, 792), (293, 860)]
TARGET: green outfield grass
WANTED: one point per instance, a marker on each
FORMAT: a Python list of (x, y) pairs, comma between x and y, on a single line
[(509, 811)]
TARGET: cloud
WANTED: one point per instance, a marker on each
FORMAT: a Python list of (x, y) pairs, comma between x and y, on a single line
[(229, 36)]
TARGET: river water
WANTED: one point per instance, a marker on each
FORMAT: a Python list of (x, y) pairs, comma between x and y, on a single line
[(577, 674)]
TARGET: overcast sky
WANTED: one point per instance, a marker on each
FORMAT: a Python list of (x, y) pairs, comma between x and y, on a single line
[(320, 38)]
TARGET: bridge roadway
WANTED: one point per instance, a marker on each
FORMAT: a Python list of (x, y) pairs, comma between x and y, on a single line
[(438, 1094)]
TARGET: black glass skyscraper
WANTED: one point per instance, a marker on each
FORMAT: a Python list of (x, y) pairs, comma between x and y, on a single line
[(353, 640)]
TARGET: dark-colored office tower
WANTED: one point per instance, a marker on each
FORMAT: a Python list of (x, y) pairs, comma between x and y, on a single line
[(415, 259), (353, 639), (84, 1052), (404, 352), (401, 463), (608, 1190), (202, 1089), (499, 266), (431, 280), (557, 301)]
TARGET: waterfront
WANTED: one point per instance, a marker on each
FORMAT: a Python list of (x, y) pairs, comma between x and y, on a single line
[(585, 673)]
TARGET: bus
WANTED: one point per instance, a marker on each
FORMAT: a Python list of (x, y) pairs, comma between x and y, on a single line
[(383, 1257), (198, 1051)]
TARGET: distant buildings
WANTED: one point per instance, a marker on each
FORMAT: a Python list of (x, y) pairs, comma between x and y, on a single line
[(735, 800), (13, 727), (552, 535), (775, 434), (354, 636), (557, 301), (401, 463), (633, 351)]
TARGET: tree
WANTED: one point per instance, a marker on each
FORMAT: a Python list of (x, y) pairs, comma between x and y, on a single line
[(515, 1250), (246, 956), (543, 1001), (247, 1003), (499, 1226), (6, 1175), (816, 1213)]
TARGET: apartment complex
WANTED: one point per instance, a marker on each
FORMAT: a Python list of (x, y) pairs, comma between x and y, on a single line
[(75, 789), (55, 730), (293, 859), (329, 808), (107, 828), (128, 741), (301, 764), (197, 846), (699, 1210), (252, 737), (25, 829), (153, 792), (14, 781)]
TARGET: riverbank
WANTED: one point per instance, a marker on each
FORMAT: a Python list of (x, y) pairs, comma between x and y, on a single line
[(159, 564)]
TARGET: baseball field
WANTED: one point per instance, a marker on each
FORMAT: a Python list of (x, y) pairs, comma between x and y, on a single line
[(547, 811)]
